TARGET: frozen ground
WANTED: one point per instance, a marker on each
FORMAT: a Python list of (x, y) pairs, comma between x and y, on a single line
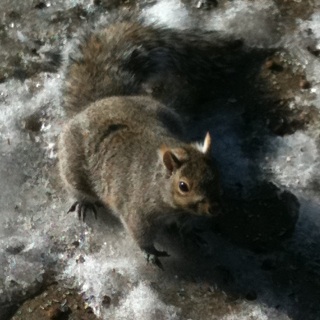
[(262, 258)]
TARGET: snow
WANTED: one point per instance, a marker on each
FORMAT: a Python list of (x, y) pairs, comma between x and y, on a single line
[(169, 12), (291, 154), (253, 22)]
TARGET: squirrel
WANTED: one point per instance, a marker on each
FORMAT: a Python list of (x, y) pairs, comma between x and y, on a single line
[(123, 148)]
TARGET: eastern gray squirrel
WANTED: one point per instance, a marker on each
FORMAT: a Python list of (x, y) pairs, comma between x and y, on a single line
[(125, 149)]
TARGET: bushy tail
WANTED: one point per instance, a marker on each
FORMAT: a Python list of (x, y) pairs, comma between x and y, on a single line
[(129, 58)]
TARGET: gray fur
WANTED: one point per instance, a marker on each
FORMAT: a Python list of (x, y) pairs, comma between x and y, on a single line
[(128, 151)]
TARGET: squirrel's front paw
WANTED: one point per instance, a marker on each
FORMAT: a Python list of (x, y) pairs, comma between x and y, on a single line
[(152, 256), (81, 207)]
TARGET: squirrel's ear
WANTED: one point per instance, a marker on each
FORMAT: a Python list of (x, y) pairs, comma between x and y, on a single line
[(206, 144), (204, 147), (172, 158)]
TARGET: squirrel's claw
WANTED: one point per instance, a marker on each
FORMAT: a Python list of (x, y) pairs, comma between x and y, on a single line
[(162, 254), (81, 208), (154, 257), (73, 207), (151, 258)]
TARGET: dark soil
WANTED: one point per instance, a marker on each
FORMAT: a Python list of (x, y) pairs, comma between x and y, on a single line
[(56, 302)]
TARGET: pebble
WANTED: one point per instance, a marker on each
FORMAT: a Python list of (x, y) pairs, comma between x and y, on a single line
[(272, 65), (54, 312), (251, 295), (304, 84), (106, 301)]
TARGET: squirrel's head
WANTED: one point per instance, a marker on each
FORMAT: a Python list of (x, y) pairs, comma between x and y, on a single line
[(193, 176)]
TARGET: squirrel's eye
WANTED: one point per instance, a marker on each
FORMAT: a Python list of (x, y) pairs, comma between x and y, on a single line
[(183, 186)]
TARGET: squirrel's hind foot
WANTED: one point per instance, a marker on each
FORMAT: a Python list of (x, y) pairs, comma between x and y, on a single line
[(81, 207)]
